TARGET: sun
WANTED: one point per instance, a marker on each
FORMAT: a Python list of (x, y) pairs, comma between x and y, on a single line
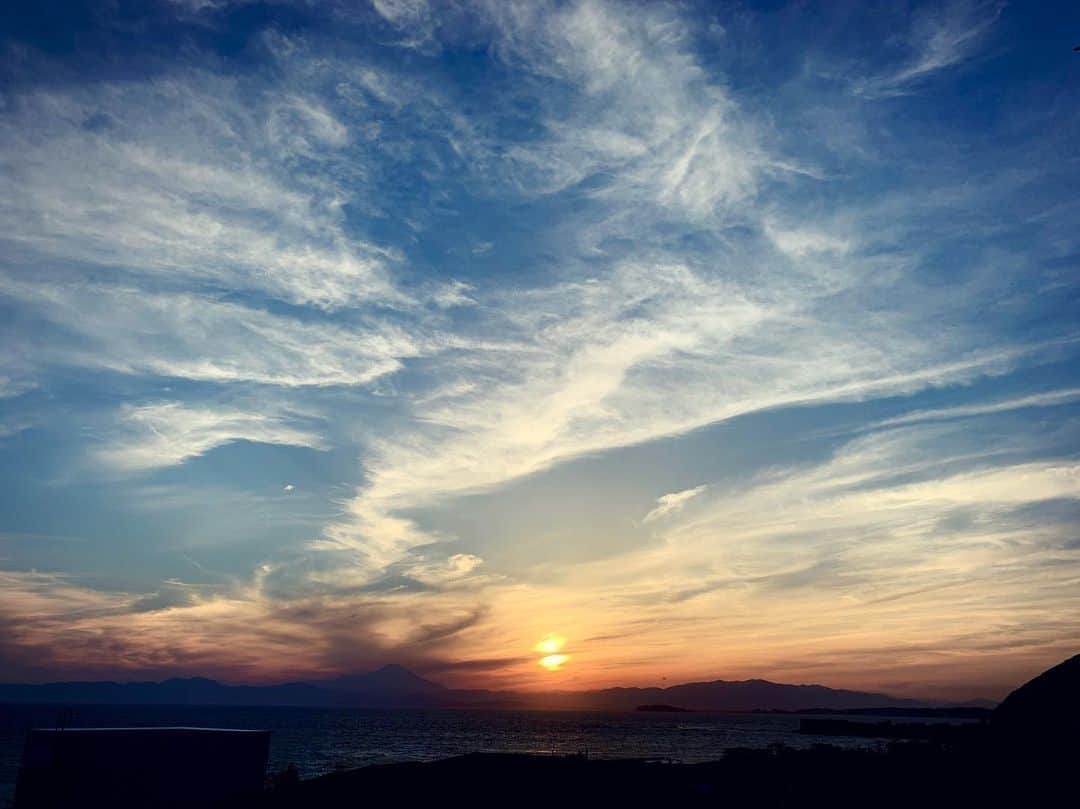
[(554, 662), (550, 644), (550, 647)]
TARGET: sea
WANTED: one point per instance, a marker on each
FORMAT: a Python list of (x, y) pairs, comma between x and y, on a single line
[(322, 740)]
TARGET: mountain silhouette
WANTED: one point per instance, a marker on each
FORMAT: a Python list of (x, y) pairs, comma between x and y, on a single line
[(397, 686), (723, 695), (390, 679), (1044, 713)]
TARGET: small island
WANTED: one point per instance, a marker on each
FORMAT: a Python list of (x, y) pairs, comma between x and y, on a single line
[(662, 709)]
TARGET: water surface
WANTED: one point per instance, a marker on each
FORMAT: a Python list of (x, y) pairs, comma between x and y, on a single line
[(319, 740)]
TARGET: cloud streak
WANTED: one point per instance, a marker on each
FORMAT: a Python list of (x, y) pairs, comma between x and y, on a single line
[(168, 433), (940, 38)]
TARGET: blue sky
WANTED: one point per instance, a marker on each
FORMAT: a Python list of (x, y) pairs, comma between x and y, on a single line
[(719, 339)]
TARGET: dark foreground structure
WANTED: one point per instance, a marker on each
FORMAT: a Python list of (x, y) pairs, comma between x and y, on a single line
[(140, 767), (907, 775)]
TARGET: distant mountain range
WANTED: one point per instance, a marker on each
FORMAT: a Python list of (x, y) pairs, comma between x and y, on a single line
[(396, 686)]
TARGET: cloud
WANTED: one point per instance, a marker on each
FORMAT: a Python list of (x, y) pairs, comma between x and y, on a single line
[(823, 557), (454, 568), (656, 146), (1054, 398), (881, 503), (11, 384), (174, 185), (800, 242), (413, 19), (169, 433), (670, 503), (172, 594), (455, 293), (189, 336), (940, 38), (56, 627), (647, 118)]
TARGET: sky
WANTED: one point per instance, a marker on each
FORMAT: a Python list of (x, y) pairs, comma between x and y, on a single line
[(679, 341)]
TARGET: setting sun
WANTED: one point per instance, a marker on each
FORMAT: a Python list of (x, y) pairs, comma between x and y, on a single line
[(550, 644), (554, 662)]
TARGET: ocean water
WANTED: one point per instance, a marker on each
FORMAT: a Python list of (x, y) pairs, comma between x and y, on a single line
[(320, 740)]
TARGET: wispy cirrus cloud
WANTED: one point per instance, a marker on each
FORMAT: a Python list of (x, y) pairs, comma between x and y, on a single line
[(171, 179), (1052, 398), (169, 433), (670, 503), (940, 38), (644, 115), (199, 337)]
